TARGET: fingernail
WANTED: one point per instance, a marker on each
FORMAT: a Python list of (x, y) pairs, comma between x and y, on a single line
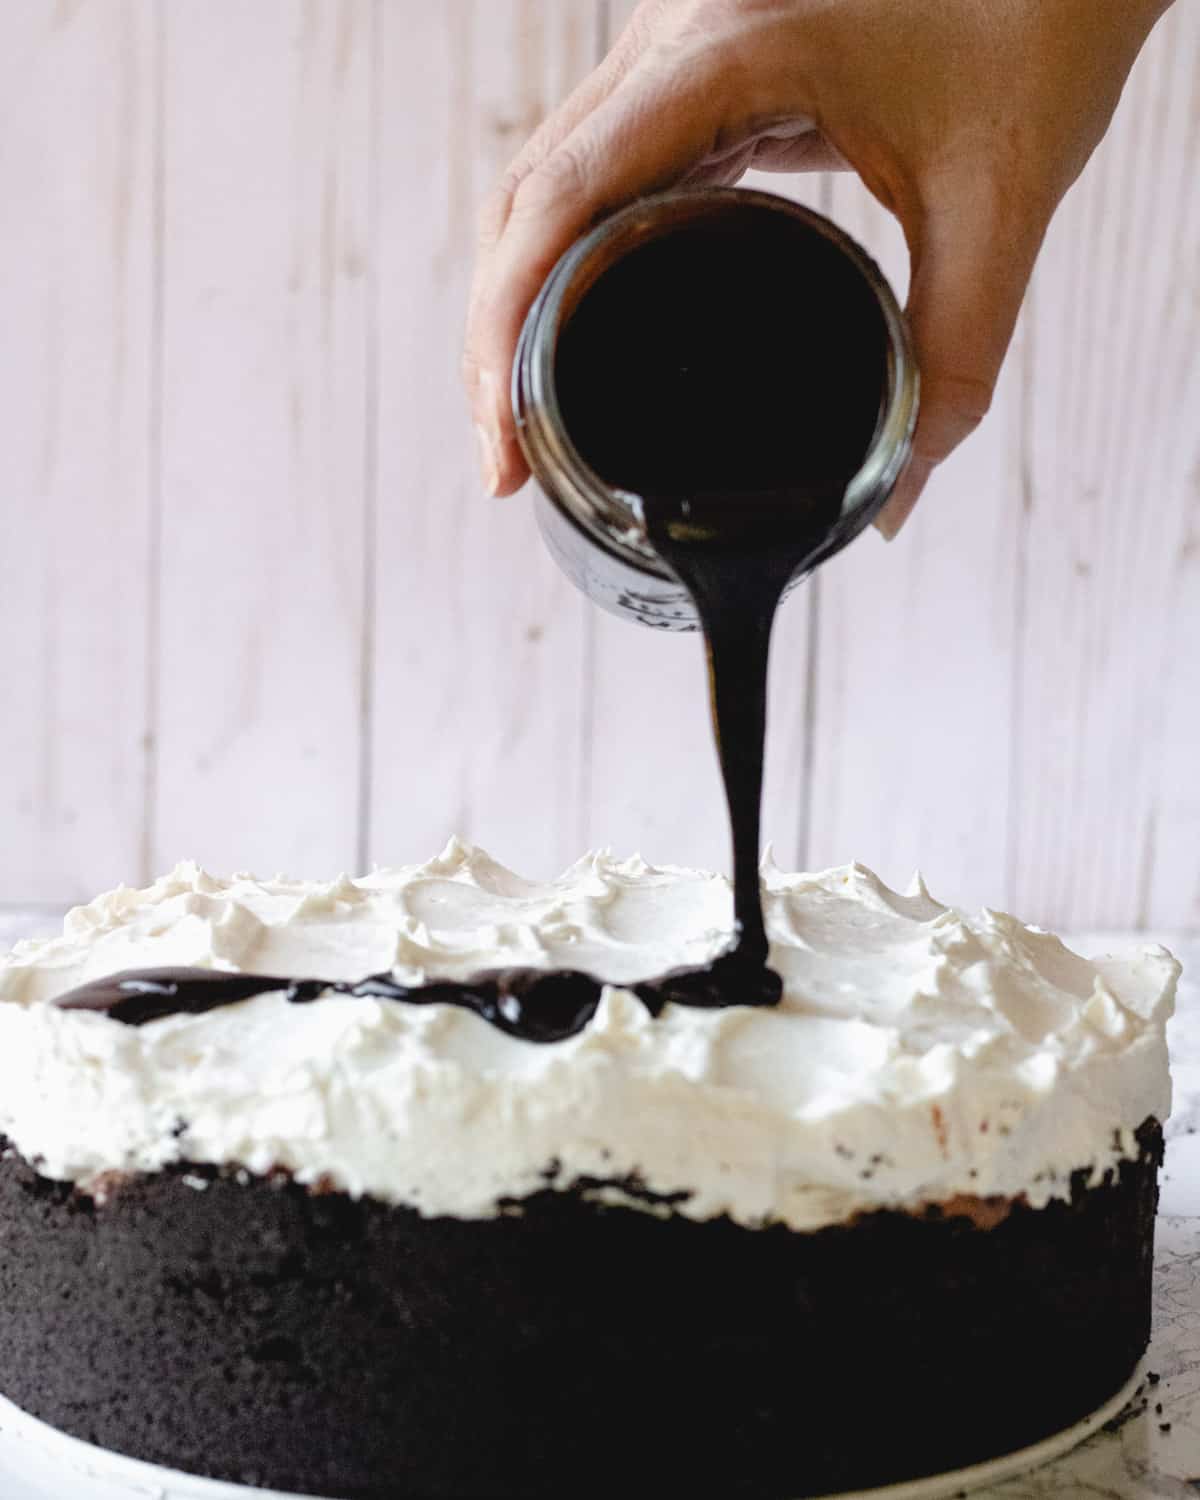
[(890, 520), (487, 460), (491, 414)]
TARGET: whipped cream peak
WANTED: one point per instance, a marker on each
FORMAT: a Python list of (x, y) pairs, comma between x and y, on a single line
[(918, 1054)]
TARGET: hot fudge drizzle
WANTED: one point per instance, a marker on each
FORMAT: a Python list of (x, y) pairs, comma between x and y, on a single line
[(730, 375), (535, 1005)]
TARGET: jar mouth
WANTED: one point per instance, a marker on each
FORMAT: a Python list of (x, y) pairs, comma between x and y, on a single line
[(612, 515)]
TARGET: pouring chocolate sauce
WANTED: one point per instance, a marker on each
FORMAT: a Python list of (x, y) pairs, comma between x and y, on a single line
[(715, 392)]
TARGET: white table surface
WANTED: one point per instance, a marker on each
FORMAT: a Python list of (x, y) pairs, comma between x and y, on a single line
[(1150, 1452)]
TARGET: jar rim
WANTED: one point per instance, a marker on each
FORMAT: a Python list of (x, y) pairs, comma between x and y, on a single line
[(613, 516)]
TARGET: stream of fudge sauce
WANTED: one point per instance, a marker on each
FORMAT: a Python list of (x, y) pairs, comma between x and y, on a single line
[(730, 374)]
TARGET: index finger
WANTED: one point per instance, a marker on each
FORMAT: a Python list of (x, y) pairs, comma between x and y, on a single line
[(655, 126)]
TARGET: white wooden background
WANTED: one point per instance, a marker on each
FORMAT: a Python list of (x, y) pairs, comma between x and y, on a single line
[(255, 608)]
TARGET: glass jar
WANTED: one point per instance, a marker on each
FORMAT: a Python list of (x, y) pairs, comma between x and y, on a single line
[(594, 529)]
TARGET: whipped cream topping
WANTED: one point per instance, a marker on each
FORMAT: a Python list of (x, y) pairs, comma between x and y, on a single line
[(918, 1054)]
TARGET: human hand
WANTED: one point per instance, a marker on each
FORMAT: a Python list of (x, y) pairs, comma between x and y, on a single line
[(968, 119)]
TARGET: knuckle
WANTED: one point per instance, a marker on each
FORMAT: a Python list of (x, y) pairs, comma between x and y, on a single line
[(469, 368), (711, 16), (702, 24), (564, 174), (953, 405), (650, 16), (494, 211), (969, 397)]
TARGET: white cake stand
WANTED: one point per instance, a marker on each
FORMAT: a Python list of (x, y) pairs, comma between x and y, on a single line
[(39, 1463)]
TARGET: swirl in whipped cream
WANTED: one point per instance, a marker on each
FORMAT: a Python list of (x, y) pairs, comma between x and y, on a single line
[(537, 1005)]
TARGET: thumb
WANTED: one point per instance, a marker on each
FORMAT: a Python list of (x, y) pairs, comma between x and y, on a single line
[(973, 248)]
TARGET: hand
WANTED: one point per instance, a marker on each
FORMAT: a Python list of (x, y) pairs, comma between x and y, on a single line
[(968, 119)]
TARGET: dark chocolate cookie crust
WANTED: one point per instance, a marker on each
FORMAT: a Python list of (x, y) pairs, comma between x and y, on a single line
[(260, 1332)]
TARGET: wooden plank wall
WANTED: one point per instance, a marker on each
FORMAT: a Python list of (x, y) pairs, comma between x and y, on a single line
[(254, 606), (266, 216), (479, 695), (77, 401)]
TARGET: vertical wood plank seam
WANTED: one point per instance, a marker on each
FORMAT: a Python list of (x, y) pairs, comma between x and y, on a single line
[(585, 792), (1146, 870), (154, 457), (1020, 602), (370, 499), (1166, 445), (587, 728), (808, 751), (604, 36)]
